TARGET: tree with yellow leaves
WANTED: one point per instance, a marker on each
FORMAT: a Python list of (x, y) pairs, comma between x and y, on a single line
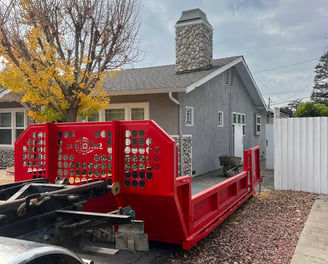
[(56, 53)]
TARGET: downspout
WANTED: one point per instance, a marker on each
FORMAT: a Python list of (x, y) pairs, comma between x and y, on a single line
[(175, 101), (231, 136)]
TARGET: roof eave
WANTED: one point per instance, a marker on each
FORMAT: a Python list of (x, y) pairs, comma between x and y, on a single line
[(148, 91), (260, 100), (212, 75)]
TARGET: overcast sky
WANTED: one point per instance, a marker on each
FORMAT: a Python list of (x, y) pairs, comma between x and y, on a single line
[(270, 34)]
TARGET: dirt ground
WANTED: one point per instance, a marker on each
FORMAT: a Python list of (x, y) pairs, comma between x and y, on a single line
[(159, 251), (6, 177)]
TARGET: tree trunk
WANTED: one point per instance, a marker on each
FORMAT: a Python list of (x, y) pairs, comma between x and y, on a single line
[(71, 114)]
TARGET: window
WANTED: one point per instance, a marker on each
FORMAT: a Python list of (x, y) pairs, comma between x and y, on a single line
[(132, 111), (189, 116), (115, 114), (20, 123), (243, 121), (95, 117), (137, 114), (258, 124), (220, 118), (12, 124), (5, 129), (234, 118), (239, 118)]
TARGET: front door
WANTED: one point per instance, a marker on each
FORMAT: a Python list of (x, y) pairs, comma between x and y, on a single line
[(238, 140)]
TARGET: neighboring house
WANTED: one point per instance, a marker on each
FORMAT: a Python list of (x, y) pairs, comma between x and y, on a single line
[(278, 113), (13, 121), (211, 107)]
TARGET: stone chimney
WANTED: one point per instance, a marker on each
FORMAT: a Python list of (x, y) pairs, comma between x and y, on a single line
[(193, 42)]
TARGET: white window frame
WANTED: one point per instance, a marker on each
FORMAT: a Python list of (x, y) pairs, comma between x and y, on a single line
[(240, 119), (220, 119), (243, 122), (127, 110), (243, 119), (13, 127), (234, 116), (189, 118), (258, 124)]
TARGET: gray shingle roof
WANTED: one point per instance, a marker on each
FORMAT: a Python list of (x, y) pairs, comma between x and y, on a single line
[(8, 96), (158, 79)]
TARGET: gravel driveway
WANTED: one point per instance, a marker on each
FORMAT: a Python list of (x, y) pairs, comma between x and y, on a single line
[(265, 229)]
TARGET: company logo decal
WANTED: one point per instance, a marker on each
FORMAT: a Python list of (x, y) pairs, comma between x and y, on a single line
[(84, 146)]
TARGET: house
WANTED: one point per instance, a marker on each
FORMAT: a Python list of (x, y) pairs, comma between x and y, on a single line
[(210, 106)]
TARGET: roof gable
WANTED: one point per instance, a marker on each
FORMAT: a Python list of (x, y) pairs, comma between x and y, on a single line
[(163, 79), (244, 73), (158, 79)]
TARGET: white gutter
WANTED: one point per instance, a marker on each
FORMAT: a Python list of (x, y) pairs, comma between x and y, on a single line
[(173, 99), (4, 92), (179, 130)]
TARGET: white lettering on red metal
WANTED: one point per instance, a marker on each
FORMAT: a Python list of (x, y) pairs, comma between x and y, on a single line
[(85, 146)]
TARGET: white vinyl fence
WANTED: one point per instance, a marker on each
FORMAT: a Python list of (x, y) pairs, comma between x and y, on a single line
[(301, 154)]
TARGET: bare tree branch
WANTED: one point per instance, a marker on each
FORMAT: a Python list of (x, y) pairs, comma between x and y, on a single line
[(88, 36)]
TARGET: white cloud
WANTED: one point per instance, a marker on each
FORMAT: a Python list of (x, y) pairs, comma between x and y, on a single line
[(269, 33), (297, 49)]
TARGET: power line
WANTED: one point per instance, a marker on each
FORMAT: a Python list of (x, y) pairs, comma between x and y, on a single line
[(268, 87), (286, 66), (286, 100), (293, 91), (289, 101)]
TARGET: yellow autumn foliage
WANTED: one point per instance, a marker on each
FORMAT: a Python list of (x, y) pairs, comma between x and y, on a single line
[(94, 101), (47, 83)]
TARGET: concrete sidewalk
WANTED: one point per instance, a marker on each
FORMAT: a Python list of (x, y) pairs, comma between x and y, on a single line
[(312, 247)]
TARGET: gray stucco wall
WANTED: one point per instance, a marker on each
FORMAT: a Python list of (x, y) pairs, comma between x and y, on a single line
[(242, 102), (209, 140), (161, 109)]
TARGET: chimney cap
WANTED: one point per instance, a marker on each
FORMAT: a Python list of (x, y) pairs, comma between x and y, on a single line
[(193, 16)]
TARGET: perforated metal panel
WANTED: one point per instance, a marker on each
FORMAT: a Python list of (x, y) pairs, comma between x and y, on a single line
[(31, 153), (85, 153), (146, 159), (139, 155)]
